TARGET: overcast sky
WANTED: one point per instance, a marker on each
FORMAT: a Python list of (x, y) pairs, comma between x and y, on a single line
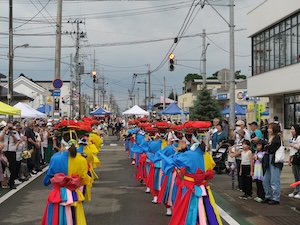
[(118, 22)]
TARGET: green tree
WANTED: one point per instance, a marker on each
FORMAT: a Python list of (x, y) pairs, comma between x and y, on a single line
[(214, 76), (173, 96), (237, 75), (192, 76), (205, 107)]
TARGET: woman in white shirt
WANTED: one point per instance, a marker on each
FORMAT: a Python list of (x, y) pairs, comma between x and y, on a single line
[(294, 148)]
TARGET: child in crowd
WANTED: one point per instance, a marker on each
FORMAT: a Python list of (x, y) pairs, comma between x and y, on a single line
[(258, 171), (231, 160), (246, 170)]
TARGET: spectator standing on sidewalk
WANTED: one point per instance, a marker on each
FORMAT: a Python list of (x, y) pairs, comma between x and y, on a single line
[(255, 135), (240, 124), (276, 121), (271, 180), (246, 170), (218, 137), (31, 145), (45, 135), (295, 148), (10, 138), (258, 171), (240, 133)]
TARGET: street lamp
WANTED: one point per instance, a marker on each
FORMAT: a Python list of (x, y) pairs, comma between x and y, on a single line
[(10, 72), (144, 82)]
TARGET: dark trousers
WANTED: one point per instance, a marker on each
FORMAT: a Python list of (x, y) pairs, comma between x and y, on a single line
[(238, 169), (260, 189), (11, 157), (37, 158), (18, 166), (247, 180)]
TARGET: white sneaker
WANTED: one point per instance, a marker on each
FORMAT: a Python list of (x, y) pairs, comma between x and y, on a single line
[(148, 190), (133, 162), (154, 201), (17, 182), (297, 196), (169, 212), (292, 195)]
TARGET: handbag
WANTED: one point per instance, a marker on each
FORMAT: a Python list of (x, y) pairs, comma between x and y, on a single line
[(280, 154), (296, 159)]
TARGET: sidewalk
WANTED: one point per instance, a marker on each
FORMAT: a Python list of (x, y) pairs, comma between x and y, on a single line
[(249, 212)]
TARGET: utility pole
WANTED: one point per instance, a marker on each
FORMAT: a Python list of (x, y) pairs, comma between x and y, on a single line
[(232, 65), (138, 96), (71, 85), (99, 91), (58, 39), (77, 69), (203, 58), (164, 94), (94, 83), (103, 91), (149, 85), (10, 55)]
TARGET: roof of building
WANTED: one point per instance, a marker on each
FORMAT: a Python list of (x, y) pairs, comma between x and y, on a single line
[(16, 96)]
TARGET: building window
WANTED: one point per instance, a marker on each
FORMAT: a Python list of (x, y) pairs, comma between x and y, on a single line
[(291, 110), (277, 46)]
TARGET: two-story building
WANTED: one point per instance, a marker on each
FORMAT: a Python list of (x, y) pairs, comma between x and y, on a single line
[(220, 91), (274, 28)]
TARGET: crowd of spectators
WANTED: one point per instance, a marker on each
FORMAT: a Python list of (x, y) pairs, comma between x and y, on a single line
[(25, 148)]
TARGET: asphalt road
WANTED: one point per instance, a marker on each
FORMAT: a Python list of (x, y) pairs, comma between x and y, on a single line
[(117, 198)]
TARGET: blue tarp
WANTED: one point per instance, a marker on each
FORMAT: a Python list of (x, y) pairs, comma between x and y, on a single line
[(238, 110), (173, 109), (100, 112), (265, 113), (45, 108)]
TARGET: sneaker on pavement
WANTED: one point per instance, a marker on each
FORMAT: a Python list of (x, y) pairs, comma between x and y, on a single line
[(247, 197), (33, 172), (17, 182), (258, 199), (292, 195), (242, 197), (297, 196)]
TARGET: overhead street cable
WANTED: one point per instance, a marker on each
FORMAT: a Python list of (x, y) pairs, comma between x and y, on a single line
[(27, 21)]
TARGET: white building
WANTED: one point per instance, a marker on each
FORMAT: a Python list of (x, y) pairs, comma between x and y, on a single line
[(39, 91), (274, 27)]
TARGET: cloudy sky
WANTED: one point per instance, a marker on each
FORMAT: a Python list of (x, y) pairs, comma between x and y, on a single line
[(110, 25)]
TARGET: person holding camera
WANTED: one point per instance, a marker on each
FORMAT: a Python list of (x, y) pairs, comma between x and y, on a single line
[(10, 139), (255, 135)]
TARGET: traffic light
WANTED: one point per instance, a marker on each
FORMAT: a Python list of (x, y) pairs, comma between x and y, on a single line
[(94, 74), (171, 62)]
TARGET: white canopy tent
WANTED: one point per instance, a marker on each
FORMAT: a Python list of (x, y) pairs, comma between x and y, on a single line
[(135, 110), (29, 112)]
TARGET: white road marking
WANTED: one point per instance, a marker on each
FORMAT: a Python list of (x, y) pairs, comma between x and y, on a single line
[(20, 186), (227, 217)]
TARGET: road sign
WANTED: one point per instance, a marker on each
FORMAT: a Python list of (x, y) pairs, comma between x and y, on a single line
[(75, 95), (56, 92), (57, 83)]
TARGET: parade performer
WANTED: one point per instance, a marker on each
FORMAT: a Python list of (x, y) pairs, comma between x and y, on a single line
[(67, 172), (194, 203)]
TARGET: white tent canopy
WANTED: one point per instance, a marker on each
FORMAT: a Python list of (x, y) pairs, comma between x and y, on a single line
[(135, 110), (29, 112)]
